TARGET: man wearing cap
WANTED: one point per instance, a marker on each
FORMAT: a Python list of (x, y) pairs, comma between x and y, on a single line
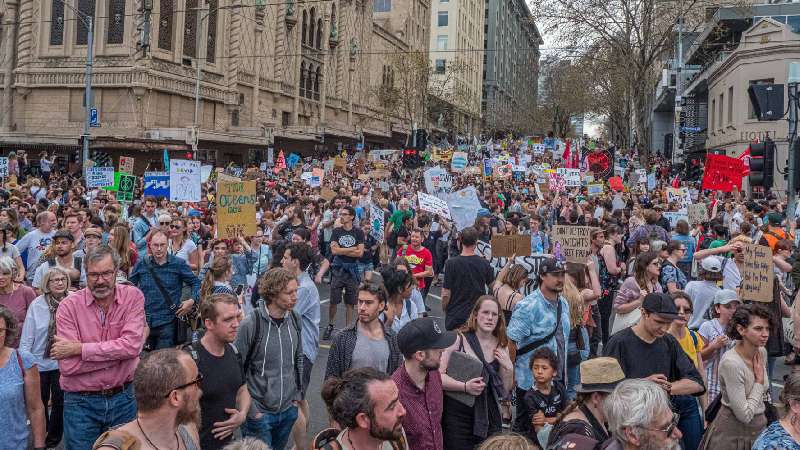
[(61, 255), (647, 350), (422, 342), (774, 232), (540, 319), (702, 291), (586, 417)]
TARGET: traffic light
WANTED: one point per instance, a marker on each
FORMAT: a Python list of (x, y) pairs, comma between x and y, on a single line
[(762, 163), (411, 158)]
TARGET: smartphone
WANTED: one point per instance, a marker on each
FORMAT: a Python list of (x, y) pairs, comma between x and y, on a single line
[(239, 289)]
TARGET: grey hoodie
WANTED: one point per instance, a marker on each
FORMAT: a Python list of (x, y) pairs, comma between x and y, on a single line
[(273, 381)]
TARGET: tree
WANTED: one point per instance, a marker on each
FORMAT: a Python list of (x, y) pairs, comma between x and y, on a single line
[(564, 94)]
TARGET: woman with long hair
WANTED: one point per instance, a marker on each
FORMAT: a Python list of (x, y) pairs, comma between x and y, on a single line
[(37, 338), (10, 250), (508, 285), (576, 293), (611, 268), (119, 238), (181, 245), (631, 294), (483, 337), (672, 278), (11, 217), (218, 279), (744, 382), (641, 246)]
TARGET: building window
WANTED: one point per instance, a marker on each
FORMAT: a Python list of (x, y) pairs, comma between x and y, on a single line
[(286, 118), (190, 29), (319, 34), (440, 65), (442, 19), (751, 114), (317, 78), (211, 45), (441, 42), (302, 79), (713, 110), (235, 118), (116, 22), (721, 117), (85, 8), (382, 6), (57, 22), (165, 24), (305, 28), (730, 105)]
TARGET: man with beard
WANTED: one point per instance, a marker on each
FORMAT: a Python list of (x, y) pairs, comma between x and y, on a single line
[(664, 362), (61, 255), (225, 397), (347, 246), (100, 333), (422, 342), (366, 403), (540, 319), (640, 418), (167, 389)]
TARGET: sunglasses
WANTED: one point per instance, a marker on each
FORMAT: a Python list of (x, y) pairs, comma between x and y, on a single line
[(164, 223), (184, 386)]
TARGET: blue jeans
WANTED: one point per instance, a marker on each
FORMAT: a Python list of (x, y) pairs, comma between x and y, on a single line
[(272, 428), (162, 336), (573, 378), (691, 424), (86, 417)]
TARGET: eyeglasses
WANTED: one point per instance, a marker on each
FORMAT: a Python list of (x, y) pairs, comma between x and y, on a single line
[(184, 386), (58, 280), (670, 428), (164, 223), (97, 275)]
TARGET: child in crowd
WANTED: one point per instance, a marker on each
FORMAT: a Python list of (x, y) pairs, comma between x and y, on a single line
[(547, 398)]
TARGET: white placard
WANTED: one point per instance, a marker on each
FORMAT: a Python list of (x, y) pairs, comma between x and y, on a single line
[(184, 180), (572, 177), (97, 177), (433, 205), (4, 166)]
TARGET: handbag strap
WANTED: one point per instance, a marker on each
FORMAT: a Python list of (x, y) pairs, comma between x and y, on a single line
[(157, 280), (539, 342)]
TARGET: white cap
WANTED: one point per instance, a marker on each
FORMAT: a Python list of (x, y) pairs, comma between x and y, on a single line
[(711, 264)]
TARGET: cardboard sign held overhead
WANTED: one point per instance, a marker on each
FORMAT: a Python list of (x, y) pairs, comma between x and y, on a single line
[(236, 209), (126, 164), (757, 276), (572, 243), (506, 246), (327, 194), (697, 213)]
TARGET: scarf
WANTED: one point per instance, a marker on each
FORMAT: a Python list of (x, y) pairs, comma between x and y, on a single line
[(52, 306), (491, 395)]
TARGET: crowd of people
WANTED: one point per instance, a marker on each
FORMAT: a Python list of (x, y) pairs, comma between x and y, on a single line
[(134, 326)]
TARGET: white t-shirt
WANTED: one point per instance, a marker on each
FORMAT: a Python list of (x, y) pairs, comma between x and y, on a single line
[(45, 164), (186, 249), (35, 242)]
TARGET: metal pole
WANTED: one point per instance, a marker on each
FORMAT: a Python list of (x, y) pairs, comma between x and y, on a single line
[(678, 93), (197, 59), (790, 187), (88, 91)]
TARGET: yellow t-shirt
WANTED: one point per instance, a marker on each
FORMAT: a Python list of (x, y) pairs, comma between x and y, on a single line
[(688, 345)]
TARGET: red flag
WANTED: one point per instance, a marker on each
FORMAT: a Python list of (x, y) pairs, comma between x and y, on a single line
[(676, 182), (565, 156)]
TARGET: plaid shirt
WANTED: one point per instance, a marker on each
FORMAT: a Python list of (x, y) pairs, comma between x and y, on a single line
[(174, 274), (423, 419)]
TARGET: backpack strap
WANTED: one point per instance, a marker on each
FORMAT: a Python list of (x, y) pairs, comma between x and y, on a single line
[(326, 440), (254, 342)]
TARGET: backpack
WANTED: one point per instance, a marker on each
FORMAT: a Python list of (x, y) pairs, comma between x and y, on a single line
[(327, 440), (77, 261), (256, 342), (193, 347)]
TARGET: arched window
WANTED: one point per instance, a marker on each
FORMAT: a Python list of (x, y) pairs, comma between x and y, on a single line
[(310, 82), (333, 17), (311, 27), (316, 83), (305, 26), (303, 77), (319, 33)]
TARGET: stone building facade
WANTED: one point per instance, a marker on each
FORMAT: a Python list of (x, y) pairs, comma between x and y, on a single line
[(293, 75)]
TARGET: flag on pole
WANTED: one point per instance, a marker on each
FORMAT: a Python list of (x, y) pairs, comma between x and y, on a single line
[(566, 156), (745, 158), (676, 182), (166, 160)]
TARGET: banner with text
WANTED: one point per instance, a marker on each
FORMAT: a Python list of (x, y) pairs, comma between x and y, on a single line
[(236, 209)]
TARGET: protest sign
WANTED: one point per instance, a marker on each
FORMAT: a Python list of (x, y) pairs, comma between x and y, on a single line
[(438, 181), (502, 171), (156, 184), (616, 184), (594, 189), (757, 274), (327, 194), (651, 181), (617, 203), (722, 173), (433, 205), (127, 183), (464, 206), (377, 219), (505, 246), (205, 172), (698, 213), (97, 177), (459, 161), (538, 149), (236, 209), (126, 164), (556, 183), (114, 187), (571, 243), (3, 166), (280, 163), (318, 172), (262, 167), (184, 180), (680, 196), (487, 168), (572, 177), (339, 163), (675, 216), (641, 176)]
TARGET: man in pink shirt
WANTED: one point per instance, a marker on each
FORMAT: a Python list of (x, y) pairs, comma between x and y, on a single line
[(100, 336)]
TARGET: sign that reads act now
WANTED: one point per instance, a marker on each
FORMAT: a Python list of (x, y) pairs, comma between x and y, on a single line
[(236, 209)]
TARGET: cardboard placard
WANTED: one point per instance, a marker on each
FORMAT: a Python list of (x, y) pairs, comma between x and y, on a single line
[(339, 163), (594, 189), (236, 209), (506, 246), (433, 205), (327, 194), (757, 276), (126, 164), (698, 213), (572, 243)]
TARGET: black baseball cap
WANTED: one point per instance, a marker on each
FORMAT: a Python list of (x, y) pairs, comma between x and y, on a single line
[(661, 304), (551, 265), (423, 333)]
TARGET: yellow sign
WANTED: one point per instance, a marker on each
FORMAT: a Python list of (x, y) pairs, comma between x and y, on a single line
[(236, 209)]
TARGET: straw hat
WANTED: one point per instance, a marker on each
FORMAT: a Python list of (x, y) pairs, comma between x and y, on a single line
[(599, 375)]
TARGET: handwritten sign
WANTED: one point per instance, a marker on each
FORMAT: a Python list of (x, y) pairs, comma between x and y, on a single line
[(4, 166), (571, 243), (236, 209), (680, 196), (126, 164), (572, 177), (433, 205), (184, 180), (675, 216), (697, 213), (99, 177), (327, 194), (757, 275), (594, 189), (722, 173), (556, 183), (505, 246)]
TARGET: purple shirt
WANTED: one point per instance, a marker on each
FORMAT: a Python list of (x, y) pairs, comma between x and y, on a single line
[(423, 419), (18, 302), (111, 342)]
